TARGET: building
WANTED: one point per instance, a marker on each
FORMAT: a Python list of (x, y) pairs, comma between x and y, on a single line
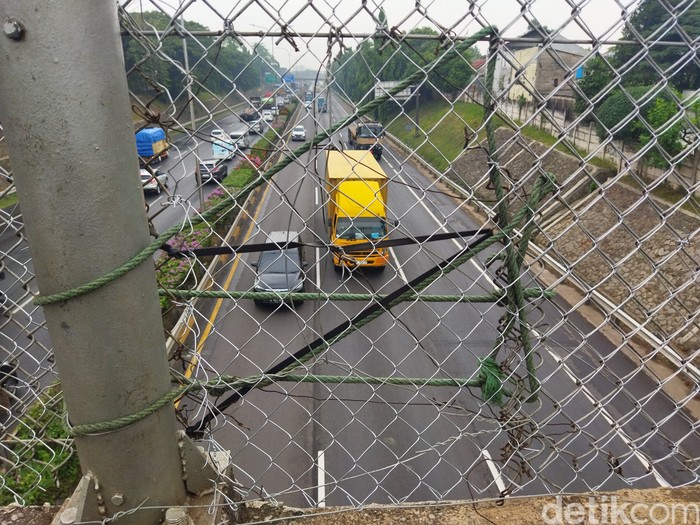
[(527, 70)]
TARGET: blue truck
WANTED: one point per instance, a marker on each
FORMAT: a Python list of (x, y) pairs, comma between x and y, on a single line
[(151, 145), (322, 106)]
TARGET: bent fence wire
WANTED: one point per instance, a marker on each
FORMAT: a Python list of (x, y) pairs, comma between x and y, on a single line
[(532, 325)]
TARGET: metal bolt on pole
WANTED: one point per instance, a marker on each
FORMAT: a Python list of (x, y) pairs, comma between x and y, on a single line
[(65, 111)]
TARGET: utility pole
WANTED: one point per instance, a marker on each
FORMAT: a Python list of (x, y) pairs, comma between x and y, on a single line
[(63, 137), (190, 103), (417, 128)]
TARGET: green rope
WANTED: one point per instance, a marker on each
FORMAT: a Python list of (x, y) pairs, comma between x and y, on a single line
[(494, 297), (491, 379), (240, 197), (222, 384), (513, 259)]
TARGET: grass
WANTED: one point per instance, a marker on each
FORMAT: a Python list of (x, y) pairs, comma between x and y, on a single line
[(667, 193), (8, 200), (446, 138)]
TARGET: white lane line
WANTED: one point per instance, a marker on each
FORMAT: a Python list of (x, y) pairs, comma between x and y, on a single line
[(318, 250), (399, 267), (494, 471), (621, 433), (321, 471), (20, 307), (444, 230), (318, 268)]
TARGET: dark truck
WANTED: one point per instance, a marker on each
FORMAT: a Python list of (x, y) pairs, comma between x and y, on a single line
[(255, 102), (367, 135)]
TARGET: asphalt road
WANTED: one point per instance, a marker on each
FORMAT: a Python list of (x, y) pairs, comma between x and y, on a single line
[(354, 444)]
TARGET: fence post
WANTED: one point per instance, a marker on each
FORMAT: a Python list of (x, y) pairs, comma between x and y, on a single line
[(65, 110)]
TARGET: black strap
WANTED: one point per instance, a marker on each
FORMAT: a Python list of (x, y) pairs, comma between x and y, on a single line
[(269, 246)]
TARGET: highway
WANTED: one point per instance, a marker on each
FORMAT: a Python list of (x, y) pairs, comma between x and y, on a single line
[(323, 444), (320, 444)]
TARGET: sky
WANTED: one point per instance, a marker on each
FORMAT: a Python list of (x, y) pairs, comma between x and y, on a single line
[(601, 19)]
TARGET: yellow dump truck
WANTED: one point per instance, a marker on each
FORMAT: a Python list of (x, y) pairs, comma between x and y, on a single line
[(356, 208)]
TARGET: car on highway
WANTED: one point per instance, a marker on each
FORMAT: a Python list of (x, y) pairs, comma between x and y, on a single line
[(280, 270), (267, 115), (218, 134), (212, 170), (299, 133), (249, 115), (257, 127), (153, 182), (240, 138)]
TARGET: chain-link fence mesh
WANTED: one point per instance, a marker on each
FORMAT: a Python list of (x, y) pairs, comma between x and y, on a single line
[(493, 270)]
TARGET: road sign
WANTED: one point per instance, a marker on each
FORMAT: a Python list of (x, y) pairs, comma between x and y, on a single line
[(269, 78), (383, 86), (288, 78)]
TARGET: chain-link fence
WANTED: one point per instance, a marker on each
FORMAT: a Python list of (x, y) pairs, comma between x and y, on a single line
[(418, 251)]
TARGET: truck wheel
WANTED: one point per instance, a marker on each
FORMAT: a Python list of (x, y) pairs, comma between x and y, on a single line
[(337, 269)]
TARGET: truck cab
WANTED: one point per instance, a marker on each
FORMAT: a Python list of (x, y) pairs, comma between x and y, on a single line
[(367, 136)]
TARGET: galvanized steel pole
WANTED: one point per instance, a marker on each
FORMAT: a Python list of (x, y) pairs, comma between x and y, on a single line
[(65, 111)]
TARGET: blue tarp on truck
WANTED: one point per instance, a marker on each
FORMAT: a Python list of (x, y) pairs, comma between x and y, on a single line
[(150, 143)]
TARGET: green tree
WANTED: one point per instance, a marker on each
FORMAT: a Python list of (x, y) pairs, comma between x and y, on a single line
[(651, 123), (157, 64), (651, 19), (668, 139), (597, 75)]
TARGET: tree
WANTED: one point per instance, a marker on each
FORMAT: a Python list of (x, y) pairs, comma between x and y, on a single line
[(651, 123), (597, 75), (652, 20), (159, 62)]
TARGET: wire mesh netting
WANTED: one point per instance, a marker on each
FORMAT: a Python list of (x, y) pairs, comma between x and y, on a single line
[(427, 251)]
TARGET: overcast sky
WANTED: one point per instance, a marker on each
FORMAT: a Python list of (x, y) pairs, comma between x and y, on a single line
[(600, 18)]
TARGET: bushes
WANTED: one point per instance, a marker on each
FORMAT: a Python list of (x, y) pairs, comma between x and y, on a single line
[(649, 115), (180, 273)]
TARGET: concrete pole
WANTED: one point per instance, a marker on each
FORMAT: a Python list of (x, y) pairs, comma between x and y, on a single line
[(190, 98), (65, 110)]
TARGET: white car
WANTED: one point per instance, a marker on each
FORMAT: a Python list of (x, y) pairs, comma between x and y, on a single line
[(267, 115), (299, 133), (218, 133), (257, 127), (153, 183), (240, 138)]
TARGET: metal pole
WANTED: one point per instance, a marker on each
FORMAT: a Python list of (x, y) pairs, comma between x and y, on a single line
[(190, 103), (415, 131), (65, 109)]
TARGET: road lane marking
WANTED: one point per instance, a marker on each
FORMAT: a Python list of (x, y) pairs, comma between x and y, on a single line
[(444, 230), (321, 472), (491, 464), (20, 307), (217, 306), (399, 267), (613, 424)]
